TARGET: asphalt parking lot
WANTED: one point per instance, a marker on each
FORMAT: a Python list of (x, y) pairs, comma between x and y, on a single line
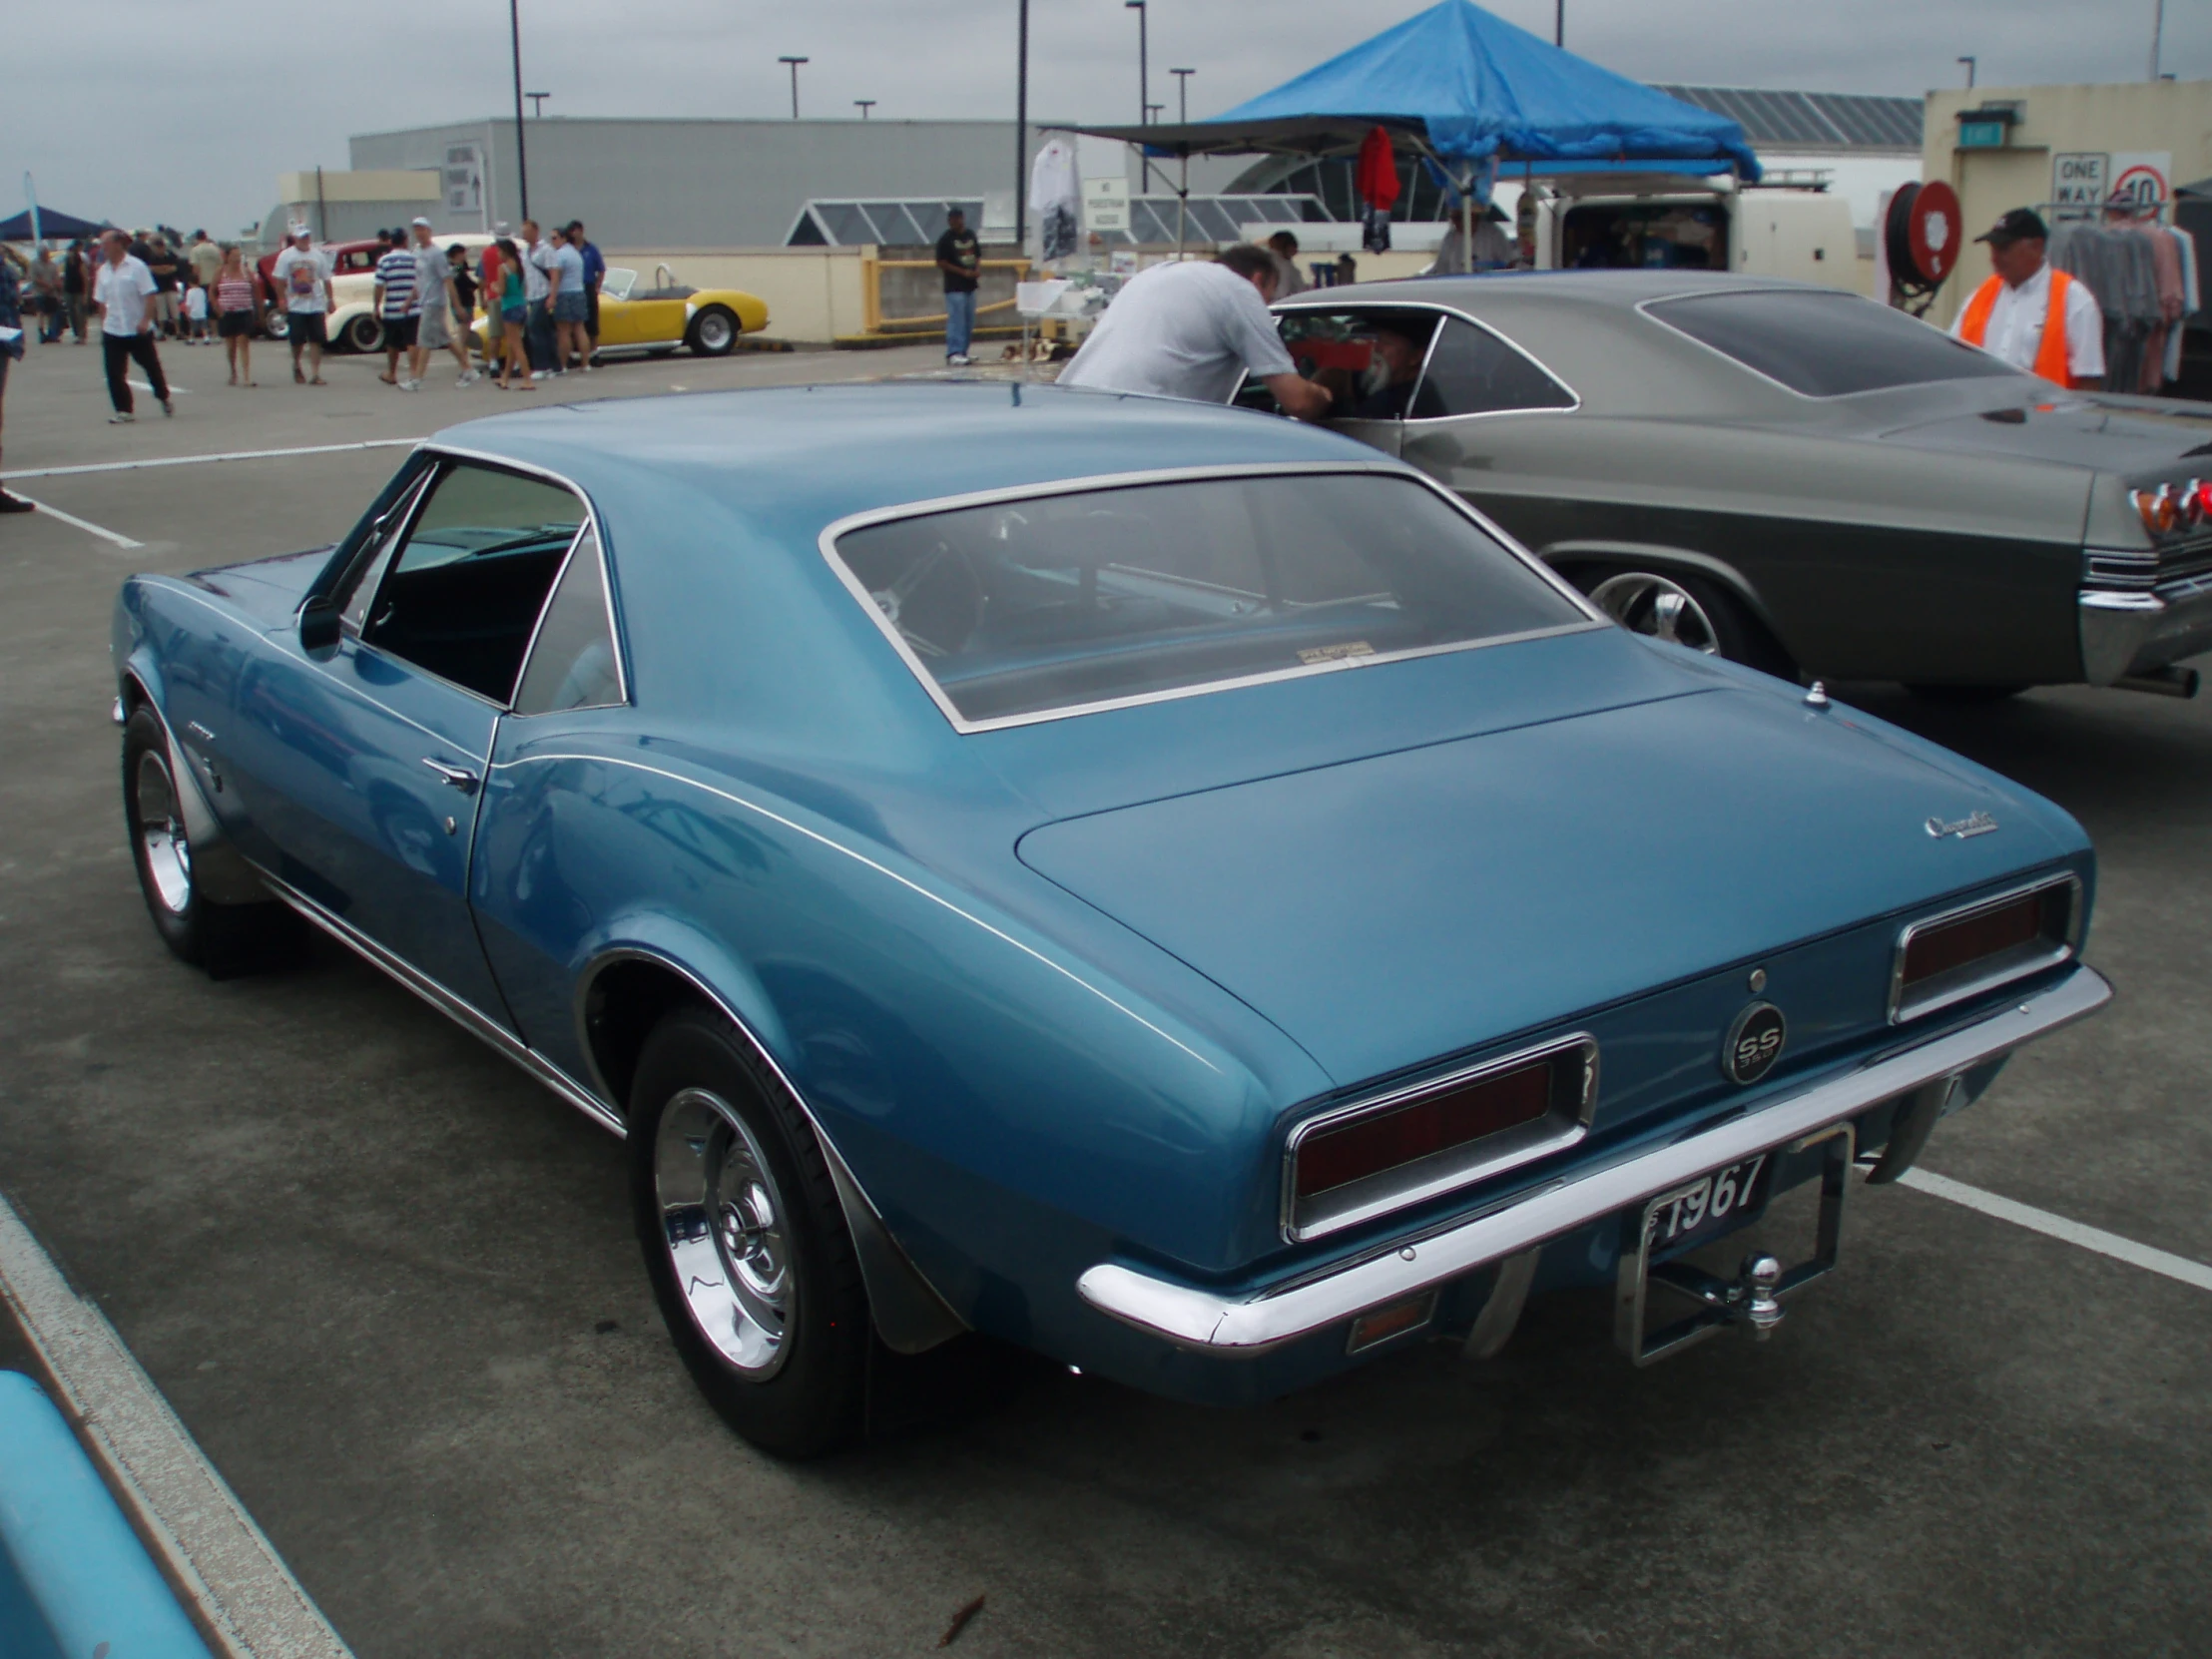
[(390, 1289)]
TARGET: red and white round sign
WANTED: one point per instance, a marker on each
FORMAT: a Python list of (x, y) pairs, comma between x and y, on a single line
[(2140, 186), (1935, 231)]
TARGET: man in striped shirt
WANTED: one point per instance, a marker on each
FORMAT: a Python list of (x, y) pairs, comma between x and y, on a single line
[(398, 308)]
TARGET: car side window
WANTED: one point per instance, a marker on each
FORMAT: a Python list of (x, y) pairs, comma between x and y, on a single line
[(467, 584), (375, 555), (1473, 371), (572, 662)]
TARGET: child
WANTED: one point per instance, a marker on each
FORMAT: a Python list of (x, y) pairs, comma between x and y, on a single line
[(195, 316)]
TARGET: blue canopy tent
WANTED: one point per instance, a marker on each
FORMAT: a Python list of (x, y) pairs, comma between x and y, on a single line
[(52, 226), (1469, 90)]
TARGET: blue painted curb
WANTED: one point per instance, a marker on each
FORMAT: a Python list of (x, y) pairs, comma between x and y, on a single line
[(75, 1583)]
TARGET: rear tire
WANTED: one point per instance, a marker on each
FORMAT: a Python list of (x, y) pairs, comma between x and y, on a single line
[(713, 332), (224, 939), (1687, 610), (365, 334), (745, 1243)]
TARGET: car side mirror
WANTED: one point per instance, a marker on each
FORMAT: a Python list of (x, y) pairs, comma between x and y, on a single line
[(319, 626)]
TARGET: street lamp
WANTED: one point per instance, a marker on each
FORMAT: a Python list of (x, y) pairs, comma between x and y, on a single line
[(522, 160), (795, 63), (867, 104), (1970, 63), (1183, 94), (1559, 23), (537, 103), (1021, 128), (1144, 84)]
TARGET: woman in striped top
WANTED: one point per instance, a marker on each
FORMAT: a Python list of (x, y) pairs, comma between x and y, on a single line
[(238, 314)]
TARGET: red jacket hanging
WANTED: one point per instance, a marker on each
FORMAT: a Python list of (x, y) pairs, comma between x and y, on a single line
[(1376, 174)]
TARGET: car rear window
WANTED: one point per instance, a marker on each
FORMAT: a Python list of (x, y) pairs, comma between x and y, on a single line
[(1825, 344), (1063, 603)]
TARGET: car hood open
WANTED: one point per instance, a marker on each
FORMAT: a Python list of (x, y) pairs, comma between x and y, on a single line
[(1391, 909)]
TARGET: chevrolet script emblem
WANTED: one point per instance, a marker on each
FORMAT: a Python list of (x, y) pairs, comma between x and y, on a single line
[(1965, 828)]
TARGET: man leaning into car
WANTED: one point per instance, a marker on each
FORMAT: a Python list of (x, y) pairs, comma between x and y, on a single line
[(1192, 328), (2039, 320)]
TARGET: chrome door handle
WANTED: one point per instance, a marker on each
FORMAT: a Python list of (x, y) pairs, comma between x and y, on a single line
[(459, 776)]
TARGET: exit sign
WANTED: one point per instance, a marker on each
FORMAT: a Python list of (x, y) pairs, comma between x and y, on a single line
[(1983, 135)]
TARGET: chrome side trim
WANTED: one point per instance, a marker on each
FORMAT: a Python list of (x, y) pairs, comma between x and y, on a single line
[(828, 544), (1211, 1322), (1905, 1006), (1565, 1122), (909, 1315), (456, 1008)]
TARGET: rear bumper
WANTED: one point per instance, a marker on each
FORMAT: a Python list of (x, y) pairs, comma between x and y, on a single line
[(2139, 632), (1236, 1327)]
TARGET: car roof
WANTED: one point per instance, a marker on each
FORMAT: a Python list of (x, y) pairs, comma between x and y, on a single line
[(1607, 289), (805, 456)]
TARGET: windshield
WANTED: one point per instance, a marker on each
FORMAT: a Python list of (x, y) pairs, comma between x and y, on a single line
[(1066, 602), (1825, 344)]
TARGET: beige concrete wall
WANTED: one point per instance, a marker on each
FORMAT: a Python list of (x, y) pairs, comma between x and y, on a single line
[(814, 295), (2174, 115), (380, 185)]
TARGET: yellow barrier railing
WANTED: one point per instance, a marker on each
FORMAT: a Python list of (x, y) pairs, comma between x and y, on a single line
[(872, 292)]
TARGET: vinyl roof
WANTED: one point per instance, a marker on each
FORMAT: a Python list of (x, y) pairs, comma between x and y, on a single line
[(1813, 120)]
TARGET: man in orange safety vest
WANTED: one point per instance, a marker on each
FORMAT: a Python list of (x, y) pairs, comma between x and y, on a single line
[(2034, 317)]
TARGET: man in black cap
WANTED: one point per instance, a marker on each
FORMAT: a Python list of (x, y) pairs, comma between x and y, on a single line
[(2039, 320)]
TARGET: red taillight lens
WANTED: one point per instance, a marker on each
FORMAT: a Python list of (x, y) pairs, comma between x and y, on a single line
[(1368, 1146), (1934, 951), (2199, 500)]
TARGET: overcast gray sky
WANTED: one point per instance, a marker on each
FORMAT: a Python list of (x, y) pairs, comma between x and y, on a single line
[(144, 109)]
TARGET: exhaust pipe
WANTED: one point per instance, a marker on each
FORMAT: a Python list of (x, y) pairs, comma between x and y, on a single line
[(2165, 681)]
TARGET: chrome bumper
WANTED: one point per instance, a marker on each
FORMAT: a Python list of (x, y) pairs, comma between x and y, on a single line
[(2137, 633), (1232, 1326)]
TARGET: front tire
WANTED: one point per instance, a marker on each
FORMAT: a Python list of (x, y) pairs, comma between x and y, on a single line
[(1686, 610), (714, 332), (225, 939), (744, 1239), (363, 333)]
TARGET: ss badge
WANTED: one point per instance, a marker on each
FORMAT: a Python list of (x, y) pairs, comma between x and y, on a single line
[(1754, 1043)]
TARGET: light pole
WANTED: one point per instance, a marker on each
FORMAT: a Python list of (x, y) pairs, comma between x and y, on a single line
[(1970, 63), (795, 63), (2157, 34), (1022, 131), (1183, 187), (537, 104), (522, 160), (1183, 94), (1144, 85), (1559, 23), (867, 104)]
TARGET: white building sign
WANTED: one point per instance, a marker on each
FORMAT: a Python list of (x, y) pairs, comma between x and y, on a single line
[(2079, 182), (1106, 205), (463, 178)]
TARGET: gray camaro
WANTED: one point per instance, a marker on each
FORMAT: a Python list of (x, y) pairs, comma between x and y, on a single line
[(1790, 476)]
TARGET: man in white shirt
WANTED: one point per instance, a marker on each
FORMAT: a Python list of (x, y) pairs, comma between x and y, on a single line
[(1193, 328), (537, 291), (123, 295), (302, 277), (2041, 322)]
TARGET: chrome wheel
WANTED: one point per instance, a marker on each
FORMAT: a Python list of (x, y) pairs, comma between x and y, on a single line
[(723, 1223), (716, 330), (161, 828), (1647, 604)]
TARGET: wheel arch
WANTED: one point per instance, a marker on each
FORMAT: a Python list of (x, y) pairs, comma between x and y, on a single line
[(219, 871), (1568, 556), (625, 991)]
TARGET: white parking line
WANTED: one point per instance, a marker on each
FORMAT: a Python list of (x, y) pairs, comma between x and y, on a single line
[(84, 524), (2058, 1227), (208, 1543), (180, 392), (202, 461)]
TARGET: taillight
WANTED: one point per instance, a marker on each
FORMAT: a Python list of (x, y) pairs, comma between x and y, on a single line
[(2157, 508), (1414, 1143), (1368, 1146), (1964, 952), (2199, 502)]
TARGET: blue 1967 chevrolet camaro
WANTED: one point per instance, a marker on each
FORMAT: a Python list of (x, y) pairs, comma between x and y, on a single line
[(1146, 882)]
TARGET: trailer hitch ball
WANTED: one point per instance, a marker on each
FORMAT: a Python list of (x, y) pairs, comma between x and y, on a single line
[(1755, 1294)]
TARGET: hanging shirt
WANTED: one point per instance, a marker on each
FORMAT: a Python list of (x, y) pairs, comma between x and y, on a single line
[(2016, 330), (1183, 330), (1057, 197)]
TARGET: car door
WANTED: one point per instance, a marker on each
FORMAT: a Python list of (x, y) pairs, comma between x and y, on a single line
[(1477, 388), (363, 763), (618, 312)]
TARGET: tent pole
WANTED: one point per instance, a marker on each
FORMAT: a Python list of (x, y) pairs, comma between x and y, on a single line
[(1466, 214)]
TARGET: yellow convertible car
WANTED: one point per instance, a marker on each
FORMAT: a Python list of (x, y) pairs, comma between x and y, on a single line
[(660, 319)]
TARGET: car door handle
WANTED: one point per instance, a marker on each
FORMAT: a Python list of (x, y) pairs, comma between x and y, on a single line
[(459, 776)]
